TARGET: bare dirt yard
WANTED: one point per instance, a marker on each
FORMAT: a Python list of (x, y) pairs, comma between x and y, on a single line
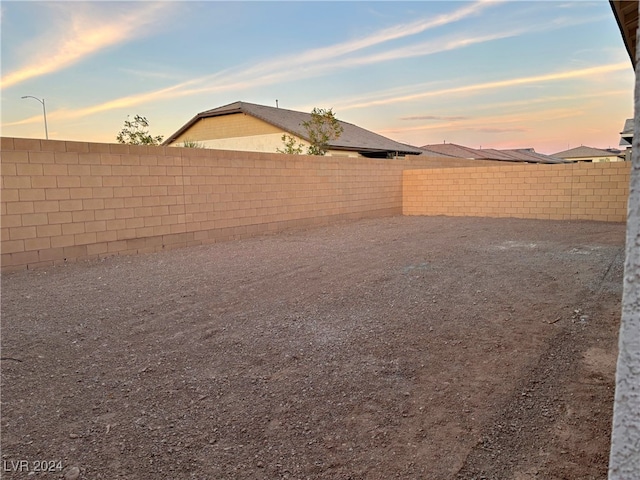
[(402, 347)]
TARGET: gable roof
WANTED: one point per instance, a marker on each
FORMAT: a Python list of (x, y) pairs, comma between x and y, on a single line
[(530, 155), (527, 155), (583, 152), (353, 138), (452, 149), (433, 153)]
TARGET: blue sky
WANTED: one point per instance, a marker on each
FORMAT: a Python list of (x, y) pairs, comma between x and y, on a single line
[(550, 75)]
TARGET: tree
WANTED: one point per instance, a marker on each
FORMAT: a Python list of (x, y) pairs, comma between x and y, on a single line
[(290, 145), (136, 132), (188, 143), (321, 129)]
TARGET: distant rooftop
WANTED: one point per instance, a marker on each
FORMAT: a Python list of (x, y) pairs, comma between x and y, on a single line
[(584, 152), (527, 155)]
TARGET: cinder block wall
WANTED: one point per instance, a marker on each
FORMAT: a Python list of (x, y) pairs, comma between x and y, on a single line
[(584, 191), (63, 201)]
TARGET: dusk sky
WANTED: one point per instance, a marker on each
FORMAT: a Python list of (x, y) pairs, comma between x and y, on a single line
[(550, 75)]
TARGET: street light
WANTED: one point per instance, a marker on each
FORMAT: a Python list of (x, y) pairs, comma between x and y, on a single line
[(44, 111)]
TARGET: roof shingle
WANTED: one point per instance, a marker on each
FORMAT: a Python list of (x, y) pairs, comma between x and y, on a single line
[(583, 152), (353, 138), (528, 155)]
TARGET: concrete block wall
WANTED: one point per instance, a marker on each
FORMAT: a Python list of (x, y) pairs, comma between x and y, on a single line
[(63, 201), (584, 191)]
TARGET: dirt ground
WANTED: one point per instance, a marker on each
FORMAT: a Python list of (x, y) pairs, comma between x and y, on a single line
[(402, 347)]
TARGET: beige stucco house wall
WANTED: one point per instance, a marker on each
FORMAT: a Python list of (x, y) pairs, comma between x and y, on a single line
[(242, 132), (610, 158)]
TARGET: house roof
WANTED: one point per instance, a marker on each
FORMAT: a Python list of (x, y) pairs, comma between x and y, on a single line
[(583, 152), (432, 153), (626, 135), (451, 149), (528, 155), (353, 138)]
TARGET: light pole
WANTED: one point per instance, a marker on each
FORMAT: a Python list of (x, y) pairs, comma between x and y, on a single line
[(44, 112)]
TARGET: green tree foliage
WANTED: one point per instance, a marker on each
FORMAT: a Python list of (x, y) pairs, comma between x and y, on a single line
[(321, 129), (136, 132), (291, 146), (188, 143)]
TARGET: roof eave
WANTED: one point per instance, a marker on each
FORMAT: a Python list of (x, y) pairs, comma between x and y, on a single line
[(183, 129), (187, 126), (627, 20), (199, 116), (376, 150)]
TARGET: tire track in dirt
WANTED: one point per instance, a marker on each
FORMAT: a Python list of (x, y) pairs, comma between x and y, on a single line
[(535, 434)]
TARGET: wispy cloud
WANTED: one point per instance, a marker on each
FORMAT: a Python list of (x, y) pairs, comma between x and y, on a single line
[(478, 87), (534, 104), (320, 61), (554, 100), (314, 62), (435, 117), (422, 49), (84, 33), (123, 102), (295, 68), (499, 130), (385, 35), (492, 124)]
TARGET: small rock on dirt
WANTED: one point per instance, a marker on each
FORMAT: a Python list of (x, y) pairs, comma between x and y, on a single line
[(73, 473)]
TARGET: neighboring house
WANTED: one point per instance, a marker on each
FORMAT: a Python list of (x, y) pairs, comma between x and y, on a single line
[(589, 154), (257, 128), (626, 138), (526, 155)]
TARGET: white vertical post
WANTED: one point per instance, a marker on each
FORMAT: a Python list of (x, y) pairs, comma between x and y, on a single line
[(624, 462)]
